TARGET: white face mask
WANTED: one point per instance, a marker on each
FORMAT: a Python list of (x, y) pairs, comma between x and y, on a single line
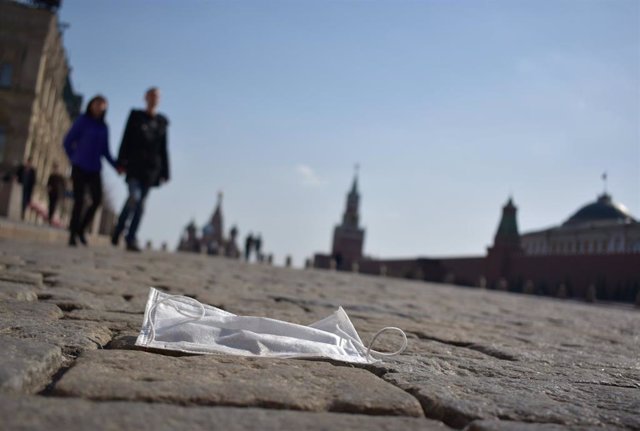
[(181, 323)]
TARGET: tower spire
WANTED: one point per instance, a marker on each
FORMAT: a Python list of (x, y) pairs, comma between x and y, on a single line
[(354, 187), (217, 221), (507, 233)]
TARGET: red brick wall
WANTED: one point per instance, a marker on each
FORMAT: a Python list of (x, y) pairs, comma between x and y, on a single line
[(615, 276), (465, 270)]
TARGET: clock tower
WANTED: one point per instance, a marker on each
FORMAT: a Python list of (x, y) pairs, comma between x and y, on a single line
[(348, 237)]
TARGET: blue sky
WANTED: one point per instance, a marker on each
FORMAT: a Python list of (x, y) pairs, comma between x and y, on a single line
[(448, 106)]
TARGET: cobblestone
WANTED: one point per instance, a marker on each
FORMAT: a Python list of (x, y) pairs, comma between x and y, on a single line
[(483, 360)]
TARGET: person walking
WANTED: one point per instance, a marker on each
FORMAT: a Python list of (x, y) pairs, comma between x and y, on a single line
[(26, 175), (55, 189), (257, 244), (231, 247), (248, 245), (85, 144), (144, 157)]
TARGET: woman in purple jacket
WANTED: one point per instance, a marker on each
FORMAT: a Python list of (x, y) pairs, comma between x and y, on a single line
[(86, 143)]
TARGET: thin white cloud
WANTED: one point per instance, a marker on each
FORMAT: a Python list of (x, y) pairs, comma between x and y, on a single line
[(308, 176)]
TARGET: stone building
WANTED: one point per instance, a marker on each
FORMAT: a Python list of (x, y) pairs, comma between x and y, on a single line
[(212, 240), (189, 240), (37, 102)]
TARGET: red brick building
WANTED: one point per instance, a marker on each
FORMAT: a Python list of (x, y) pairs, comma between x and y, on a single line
[(595, 254), (348, 237)]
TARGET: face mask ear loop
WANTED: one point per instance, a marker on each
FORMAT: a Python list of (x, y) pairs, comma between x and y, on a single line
[(174, 297), (380, 332)]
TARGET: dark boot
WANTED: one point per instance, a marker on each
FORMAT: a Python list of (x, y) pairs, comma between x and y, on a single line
[(115, 238), (132, 246), (81, 237)]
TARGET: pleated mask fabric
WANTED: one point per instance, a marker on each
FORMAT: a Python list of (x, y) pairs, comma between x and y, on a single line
[(180, 323)]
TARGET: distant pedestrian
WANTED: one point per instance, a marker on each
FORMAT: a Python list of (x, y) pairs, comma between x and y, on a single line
[(55, 189), (26, 175), (231, 247), (86, 143), (257, 244), (248, 245), (144, 156)]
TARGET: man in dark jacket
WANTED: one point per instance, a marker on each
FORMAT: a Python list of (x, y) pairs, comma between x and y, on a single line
[(248, 245), (26, 175), (143, 156)]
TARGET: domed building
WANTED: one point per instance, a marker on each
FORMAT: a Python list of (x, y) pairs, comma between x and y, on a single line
[(602, 211), (212, 240), (593, 255), (600, 227)]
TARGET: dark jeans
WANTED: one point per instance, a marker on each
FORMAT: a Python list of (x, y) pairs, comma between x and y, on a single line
[(132, 210), (26, 199), (83, 180), (53, 203)]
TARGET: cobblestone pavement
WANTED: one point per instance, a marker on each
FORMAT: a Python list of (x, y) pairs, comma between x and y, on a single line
[(480, 360)]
